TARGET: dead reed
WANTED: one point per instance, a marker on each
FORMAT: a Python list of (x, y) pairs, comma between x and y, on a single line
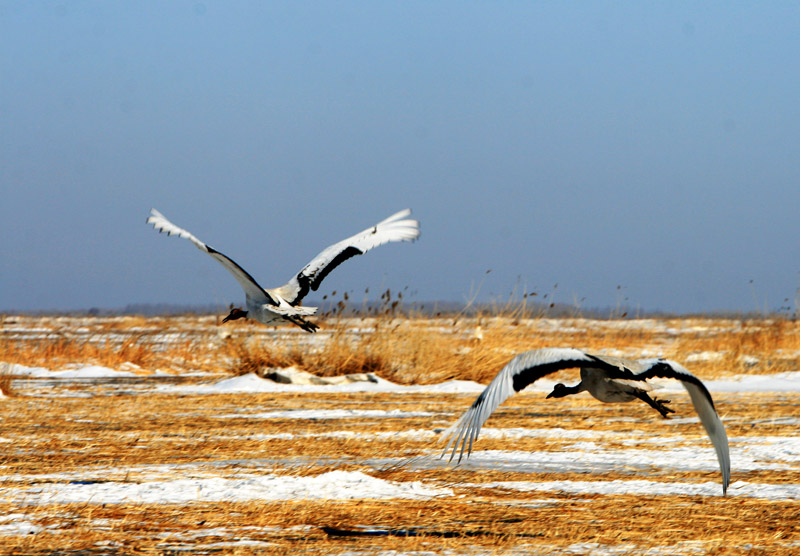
[(116, 437), (405, 348), (113, 438)]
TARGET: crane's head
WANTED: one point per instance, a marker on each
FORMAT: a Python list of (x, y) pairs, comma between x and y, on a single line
[(559, 391), (236, 313)]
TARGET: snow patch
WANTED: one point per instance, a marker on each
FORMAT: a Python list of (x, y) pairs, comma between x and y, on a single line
[(89, 371), (12, 525), (328, 414), (651, 488), (254, 384), (333, 485)]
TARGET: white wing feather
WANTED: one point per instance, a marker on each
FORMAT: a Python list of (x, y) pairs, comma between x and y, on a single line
[(247, 282), (161, 224), (283, 308), (466, 429)]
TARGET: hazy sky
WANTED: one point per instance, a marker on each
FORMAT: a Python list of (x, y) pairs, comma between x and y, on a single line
[(650, 146)]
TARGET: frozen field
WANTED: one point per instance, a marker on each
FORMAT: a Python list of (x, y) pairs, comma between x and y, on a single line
[(190, 458)]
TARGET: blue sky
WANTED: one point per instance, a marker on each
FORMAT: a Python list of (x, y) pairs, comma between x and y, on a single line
[(643, 151)]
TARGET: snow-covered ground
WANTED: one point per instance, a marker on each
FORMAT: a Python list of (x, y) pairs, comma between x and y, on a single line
[(588, 454), (334, 485), (584, 456), (251, 383)]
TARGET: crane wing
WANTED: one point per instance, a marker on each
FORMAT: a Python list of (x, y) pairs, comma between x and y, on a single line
[(248, 283), (521, 371), (703, 405), (395, 228)]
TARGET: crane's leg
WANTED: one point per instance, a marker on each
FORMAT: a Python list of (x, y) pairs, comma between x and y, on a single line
[(302, 323), (655, 403)]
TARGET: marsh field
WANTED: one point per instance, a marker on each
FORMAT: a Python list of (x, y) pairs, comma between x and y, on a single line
[(159, 436)]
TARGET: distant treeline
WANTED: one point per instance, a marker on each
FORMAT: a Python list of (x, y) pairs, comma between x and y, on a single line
[(330, 308)]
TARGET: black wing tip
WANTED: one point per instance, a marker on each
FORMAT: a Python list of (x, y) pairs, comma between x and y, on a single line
[(665, 369), (479, 400)]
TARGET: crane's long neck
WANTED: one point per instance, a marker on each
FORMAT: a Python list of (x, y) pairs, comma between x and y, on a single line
[(569, 390), (561, 390)]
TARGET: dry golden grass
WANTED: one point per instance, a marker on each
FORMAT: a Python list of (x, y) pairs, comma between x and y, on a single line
[(407, 350), (56, 342), (112, 436), (63, 351), (304, 527), (6, 387), (423, 351)]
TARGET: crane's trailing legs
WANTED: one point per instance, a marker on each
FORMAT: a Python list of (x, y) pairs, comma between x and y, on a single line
[(655, 403)]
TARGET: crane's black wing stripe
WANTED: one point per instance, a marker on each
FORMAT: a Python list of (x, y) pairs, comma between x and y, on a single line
[(312, 281), (213, 251), (530, 375)]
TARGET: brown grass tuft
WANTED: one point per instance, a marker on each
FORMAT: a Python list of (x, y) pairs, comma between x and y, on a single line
[(405, 349), (6, 388), (62, 351)]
